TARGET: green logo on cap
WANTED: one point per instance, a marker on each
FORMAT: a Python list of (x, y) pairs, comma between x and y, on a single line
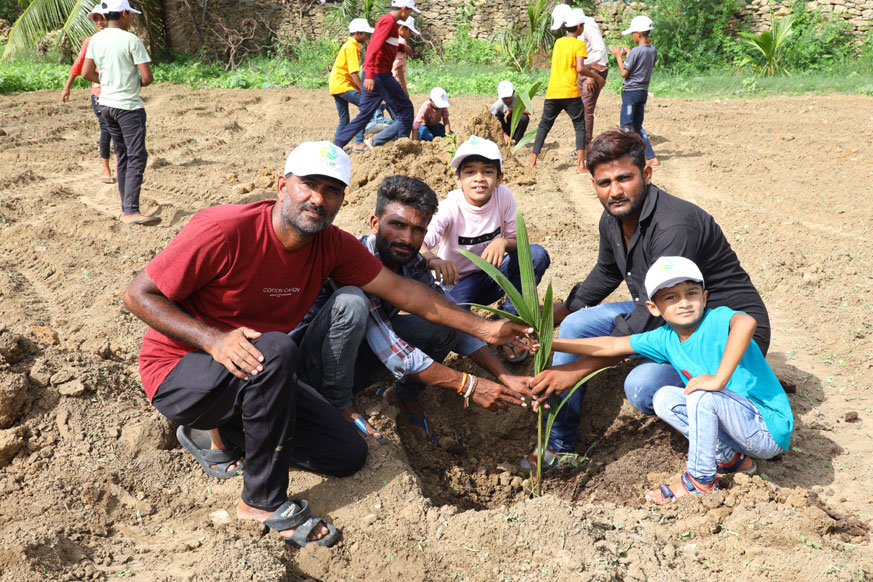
[(329, 152)]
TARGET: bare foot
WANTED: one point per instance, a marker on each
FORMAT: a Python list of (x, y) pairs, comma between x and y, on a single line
[(679, 490), (218, 445), (350, 414), (246, 511), (581, 169), (410, 408)]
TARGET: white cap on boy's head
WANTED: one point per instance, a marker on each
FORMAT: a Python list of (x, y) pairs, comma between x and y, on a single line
[(360, 25), (405, 4), (477, 146), (98, 9), (505, 89), (669, 271), (558, 14), (641, 23), (439, 97), (117, 6), (410, 24), (574, 18), (320, 158)]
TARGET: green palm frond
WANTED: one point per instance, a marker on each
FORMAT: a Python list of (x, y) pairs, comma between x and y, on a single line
[(37, 20), (78, 26), (153, 18), (770, 44)]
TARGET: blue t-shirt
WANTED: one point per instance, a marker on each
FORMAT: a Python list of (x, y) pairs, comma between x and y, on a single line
[(701, 354), (639, 63)]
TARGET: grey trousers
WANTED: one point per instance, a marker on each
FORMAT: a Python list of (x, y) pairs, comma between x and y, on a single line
[(337, 360), (128, 131)]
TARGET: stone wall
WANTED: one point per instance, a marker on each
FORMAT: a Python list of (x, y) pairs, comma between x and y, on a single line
[(187, 29)]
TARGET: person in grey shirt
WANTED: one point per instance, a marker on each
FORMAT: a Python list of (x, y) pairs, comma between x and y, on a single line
[(502, 110), (636, 69)]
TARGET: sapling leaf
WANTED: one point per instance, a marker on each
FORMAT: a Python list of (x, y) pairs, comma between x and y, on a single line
[(528, 137), (525, 267), (511, 292), (545, 333), (500, 312)]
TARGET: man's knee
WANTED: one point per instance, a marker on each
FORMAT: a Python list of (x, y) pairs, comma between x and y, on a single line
[(349, 305), (354, 457), (279, 350), (640, 390)]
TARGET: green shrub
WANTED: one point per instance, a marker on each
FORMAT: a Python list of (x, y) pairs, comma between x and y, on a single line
[(465, 49), (817, 41)]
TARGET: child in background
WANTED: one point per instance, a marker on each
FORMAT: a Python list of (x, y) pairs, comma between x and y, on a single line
[(637, 72), (344, 83), (478, 217), (568, 59), (398, 69), (96, 16), (433, 117), (732, 406), (502, 110)]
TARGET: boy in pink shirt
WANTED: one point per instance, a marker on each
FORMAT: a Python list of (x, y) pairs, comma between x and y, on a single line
[(480, 218), (433, 117)]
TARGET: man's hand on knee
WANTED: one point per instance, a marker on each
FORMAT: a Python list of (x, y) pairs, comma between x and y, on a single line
[(234, 351)]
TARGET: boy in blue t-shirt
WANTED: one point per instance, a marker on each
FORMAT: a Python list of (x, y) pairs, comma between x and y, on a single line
[(636, 69), (732, 407)]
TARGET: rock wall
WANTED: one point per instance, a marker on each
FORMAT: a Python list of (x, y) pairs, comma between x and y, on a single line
[(439, 20)]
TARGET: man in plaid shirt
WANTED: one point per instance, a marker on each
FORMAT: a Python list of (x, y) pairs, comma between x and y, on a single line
[(343, 353)]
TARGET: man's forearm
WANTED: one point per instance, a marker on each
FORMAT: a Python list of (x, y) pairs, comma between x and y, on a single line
[(439, 375)]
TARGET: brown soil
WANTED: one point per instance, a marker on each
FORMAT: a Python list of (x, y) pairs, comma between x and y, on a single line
[(93, 485)]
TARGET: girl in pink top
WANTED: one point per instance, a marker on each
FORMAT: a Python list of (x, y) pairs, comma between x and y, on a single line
[(76, 70)]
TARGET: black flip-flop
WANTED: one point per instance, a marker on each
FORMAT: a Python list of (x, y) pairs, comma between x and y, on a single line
[(294, 513), (215, 462)]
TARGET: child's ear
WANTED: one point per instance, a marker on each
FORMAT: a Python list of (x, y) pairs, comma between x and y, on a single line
[(499, 178), (653, 309), (705, 296)]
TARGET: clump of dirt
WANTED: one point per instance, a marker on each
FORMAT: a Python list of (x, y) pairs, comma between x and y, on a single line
[(483, 124)]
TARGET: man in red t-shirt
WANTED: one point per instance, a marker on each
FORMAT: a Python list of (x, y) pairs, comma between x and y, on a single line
[(220, 300), (379, 83)]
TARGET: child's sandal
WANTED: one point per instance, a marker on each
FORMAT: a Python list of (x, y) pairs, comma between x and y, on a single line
[(688, 484)]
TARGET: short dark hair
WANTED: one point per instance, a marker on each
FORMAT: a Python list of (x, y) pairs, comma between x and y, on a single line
[(645, 33), (613, 144), (408, 191), (112, 15), (478, 158), (573, 28)]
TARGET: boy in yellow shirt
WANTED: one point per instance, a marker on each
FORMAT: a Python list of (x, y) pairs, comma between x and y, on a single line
[(568, 58), (344, 83)]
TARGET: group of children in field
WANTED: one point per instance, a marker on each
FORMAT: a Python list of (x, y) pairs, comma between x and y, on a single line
[(579, 68)]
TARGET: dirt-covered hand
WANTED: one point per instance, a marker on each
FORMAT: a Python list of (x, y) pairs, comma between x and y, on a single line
[(552, 381), (445, 272), (65, 95), (235, 352), (493, 396), (495, 251), (518, 384), (504, 332)]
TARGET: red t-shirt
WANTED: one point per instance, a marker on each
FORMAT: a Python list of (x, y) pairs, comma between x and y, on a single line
[(228, 269), (76, 69), (382, 47)]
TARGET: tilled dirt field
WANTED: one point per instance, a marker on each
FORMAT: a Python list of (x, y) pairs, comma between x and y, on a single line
[(93, 485)]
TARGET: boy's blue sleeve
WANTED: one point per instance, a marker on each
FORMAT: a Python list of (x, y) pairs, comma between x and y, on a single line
[(651, 344)]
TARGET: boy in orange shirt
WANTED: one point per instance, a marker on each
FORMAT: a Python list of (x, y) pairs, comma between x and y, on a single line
[(568, 59), (344, 83)]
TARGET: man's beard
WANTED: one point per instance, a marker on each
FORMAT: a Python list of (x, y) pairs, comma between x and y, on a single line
[(300, 224), (635, 205), (386, 252)]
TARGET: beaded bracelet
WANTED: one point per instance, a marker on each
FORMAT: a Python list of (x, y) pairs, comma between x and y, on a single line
[(474, 382), (463, 383)]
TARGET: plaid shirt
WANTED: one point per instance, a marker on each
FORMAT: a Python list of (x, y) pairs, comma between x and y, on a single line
[(399, 357)]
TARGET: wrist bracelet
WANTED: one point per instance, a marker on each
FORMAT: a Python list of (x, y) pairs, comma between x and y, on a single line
[(463, 383), (474, 381)]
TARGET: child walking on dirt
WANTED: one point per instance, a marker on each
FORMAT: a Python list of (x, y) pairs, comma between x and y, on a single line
[(732, 407), (398, 69), (480, 218), (433, 117), (568, 59), (502, 109), (96, 16), (344, 83), (636, 68)]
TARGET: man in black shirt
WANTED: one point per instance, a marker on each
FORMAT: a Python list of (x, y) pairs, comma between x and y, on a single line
[(640, 223)]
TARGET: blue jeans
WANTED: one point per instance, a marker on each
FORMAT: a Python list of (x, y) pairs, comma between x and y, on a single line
[(385, 87), (633, 110), (639, 386), (717, 425), (342, 101), (478, 287), (428, 132)]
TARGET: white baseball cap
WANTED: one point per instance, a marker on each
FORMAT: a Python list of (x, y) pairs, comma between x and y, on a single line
[(360, 25), (320, 158), (574, 18), (410, 24), (405, 4), (477, 146), (558, 14), (117, 6), (669, 271), (641, 23), (439, 97), (98, 9), (505, 89)]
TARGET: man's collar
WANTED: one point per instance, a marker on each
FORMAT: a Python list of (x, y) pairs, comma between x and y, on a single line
[(651, 200)]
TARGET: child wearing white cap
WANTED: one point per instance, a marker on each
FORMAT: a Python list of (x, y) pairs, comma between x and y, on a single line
[(398, 69), (479, 217), (636, 66), (344, 82), (732, 407), (433, 117), (123, 65), (502, 110), (562, 94)]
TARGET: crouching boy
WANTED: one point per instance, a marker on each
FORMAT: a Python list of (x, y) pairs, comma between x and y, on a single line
[(732, 406)]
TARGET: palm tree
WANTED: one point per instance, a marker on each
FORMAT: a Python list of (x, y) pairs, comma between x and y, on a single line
[(771, 45), (71, 18)]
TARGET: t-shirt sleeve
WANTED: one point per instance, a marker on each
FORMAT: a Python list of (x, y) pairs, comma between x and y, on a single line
[(631, 60), (651, 344), (581, 50), (89, 53), (419, 119), (76, 69), (138, 52), (198, 255), (355, 265), (496, 108), (353, 63), (510, 211)]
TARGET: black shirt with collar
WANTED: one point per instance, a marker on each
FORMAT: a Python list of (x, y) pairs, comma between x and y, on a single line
[(668, 226)]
